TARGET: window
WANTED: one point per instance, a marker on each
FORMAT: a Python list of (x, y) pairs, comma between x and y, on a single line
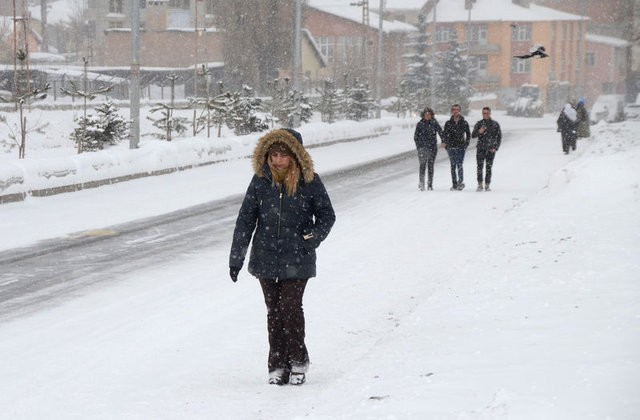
[(444, 34), (115, 6), (480, 63), (521, 32), (477, 34), (325, 43), (520, 66), (590, 59), (348, 46), (179, 4)]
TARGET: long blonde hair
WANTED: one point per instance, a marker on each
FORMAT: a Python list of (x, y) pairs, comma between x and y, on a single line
[(290, 178)]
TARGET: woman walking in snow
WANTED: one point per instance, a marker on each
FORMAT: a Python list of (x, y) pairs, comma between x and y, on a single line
[(427, 146), (567, 126), (289, 209)]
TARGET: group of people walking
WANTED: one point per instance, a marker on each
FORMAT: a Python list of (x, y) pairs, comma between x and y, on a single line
[(573, 123), (455, 138)]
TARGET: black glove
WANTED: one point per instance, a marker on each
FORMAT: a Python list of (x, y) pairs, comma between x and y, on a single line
[(233, 272)]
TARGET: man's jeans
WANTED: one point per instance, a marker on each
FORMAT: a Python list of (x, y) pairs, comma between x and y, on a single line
[(456, 157)]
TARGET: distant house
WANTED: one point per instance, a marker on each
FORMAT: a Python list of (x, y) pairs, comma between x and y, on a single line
[(606, 66), (350, 44), (497, 30), (33, 39)]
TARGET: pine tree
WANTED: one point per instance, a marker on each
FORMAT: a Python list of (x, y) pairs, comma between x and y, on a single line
[(419, 80), (403, 103), (452, 85), (244, 115), (330, 101), (358, 103), (104, 127)]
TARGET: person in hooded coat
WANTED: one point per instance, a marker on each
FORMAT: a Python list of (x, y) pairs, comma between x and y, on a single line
[(583, 130), (427, 146), (567, 126), (288, 213)]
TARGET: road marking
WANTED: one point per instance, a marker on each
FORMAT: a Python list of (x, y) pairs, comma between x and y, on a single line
[(94, 233)]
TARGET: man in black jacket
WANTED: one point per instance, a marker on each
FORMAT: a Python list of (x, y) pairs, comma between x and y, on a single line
[(456, 140), (489, 138)]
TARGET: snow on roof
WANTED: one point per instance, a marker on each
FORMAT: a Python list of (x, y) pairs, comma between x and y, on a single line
[(497, 10), (398, 4), (342, 9), (601, 39)]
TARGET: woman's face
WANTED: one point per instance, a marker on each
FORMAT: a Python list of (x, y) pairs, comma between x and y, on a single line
[(279, 160), (427, 115)]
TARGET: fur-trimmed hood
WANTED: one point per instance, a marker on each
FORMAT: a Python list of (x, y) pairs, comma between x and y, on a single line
[(287, 137)]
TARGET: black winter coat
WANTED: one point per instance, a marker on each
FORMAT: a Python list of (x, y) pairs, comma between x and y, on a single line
[(425, 135), (278, 249), (491, 138), (457, 134)]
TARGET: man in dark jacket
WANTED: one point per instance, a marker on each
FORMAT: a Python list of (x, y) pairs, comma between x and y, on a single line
[(456, 140), (427, 146), (288, 213), (489, 138)]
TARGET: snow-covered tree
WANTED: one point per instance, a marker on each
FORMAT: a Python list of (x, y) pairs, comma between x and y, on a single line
[(403, 103), (452, 85), (168, 124), (244, 116), (419, 80), (358, 104), (331, 100), (282, 106), (104, 127)]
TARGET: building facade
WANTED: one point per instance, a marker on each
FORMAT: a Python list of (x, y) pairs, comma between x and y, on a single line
[(493, 41)]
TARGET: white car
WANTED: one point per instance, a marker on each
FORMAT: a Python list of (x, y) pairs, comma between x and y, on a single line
[(632, 111), (607, 107)]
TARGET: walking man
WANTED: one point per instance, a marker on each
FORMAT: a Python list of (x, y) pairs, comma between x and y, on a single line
[(456, 140), (489, 137)]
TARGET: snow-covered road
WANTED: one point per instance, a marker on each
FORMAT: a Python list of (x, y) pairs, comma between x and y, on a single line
[(520, 303)]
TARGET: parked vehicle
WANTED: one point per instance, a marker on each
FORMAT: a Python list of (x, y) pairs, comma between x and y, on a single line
[(632, 111), (527, 102), (609, 108)]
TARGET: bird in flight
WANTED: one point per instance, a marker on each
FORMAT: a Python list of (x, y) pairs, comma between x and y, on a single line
[(536, 51)]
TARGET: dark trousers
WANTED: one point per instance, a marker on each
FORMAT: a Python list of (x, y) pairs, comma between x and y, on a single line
[(426, 158), (456, 157), (285, 324), (568, 142), (483, 156)]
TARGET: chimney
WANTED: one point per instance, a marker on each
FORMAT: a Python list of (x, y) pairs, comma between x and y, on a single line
[(157, 15)]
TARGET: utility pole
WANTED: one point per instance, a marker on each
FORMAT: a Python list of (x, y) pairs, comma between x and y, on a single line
[(468, 4), (433, 57), (15, 54), (365, 27), (297, 59), (379, 63), (195, 54), (43, 20), (134, 90)]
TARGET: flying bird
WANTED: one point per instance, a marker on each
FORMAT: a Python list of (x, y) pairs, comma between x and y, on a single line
[(536, 51)]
